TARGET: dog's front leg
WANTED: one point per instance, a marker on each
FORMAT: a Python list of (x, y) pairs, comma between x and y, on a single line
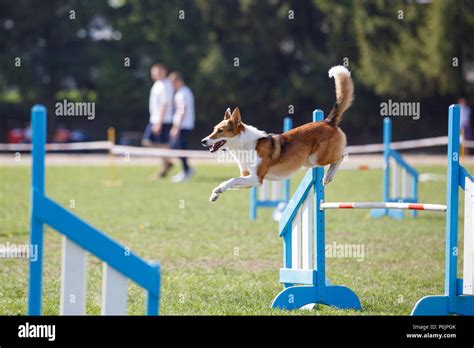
[(242, 181)]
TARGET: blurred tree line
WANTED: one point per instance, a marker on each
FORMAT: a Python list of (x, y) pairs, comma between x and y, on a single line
[(267, 57)]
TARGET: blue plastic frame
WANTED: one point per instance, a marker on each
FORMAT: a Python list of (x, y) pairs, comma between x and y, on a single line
[(388, 154), (255, 203), (46, 211), (453, 301)]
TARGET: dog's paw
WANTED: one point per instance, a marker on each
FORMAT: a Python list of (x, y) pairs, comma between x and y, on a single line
[(214, 196), (327, 179)]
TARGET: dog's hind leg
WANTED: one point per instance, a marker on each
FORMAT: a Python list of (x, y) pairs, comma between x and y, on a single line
[(329, 176)]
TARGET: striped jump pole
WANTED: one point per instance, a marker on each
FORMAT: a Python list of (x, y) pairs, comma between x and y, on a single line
[(272, 194), (383, 205), (400, 180), (80, 238), (302, 227)]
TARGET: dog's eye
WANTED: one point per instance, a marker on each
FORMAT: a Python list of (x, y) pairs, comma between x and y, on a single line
[(219, 131)]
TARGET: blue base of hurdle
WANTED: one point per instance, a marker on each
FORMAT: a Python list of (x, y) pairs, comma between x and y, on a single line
[(304, 278), (45, 211), (444, 305), (295, 297)]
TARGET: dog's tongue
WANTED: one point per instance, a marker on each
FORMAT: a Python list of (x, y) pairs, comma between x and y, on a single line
[(216, 146)]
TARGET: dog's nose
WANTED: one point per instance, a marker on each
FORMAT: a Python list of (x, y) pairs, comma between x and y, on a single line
[(204, 141)]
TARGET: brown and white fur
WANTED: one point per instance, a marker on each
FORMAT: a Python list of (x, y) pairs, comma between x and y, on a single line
[(279, 156)]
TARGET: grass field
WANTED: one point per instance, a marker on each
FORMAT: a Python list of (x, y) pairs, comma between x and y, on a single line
[(214, 260)]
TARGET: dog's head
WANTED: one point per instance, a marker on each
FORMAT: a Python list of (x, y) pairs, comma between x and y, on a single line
[(225, 132)]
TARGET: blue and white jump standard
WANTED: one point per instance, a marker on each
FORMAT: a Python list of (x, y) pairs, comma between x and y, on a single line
[(458, 293), (302, 227), (400, 180), (271, 194), (304, 270), (120, 264)]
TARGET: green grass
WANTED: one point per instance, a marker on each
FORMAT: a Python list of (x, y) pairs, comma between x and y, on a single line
[(214, 260)]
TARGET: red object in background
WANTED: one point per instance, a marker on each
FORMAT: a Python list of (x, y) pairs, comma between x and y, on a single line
[(15, 135), (62, 135)]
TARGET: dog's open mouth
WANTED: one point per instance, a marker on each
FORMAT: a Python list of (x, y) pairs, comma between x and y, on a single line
[(216, 146)]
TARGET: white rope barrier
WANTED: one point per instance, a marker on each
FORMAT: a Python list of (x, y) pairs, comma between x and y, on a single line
[(159, 152), (80, 146), (113, 149), (406, 145), (383, 205), (423, 177), (369, 148), (399, 145), (413, 144), (468, 143)]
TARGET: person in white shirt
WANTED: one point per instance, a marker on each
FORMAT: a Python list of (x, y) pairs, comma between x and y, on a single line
[(161, 113), (183, 122)]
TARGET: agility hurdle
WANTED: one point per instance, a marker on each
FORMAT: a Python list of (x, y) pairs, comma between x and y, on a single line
[(119, 263), (302, 227), (271, 194), (457, 298), (400, 180)]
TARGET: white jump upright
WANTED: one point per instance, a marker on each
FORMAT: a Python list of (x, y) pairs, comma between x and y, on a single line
[(302, 228), (468, 265), (73, 279), (79, 238)]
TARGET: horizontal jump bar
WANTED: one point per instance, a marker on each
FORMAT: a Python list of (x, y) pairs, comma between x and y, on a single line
[(383, 205)]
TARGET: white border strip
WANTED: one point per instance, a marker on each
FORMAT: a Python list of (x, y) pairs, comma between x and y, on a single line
[(468, 267)]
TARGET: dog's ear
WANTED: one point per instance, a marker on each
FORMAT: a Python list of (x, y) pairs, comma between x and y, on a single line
[(235, 118), (228, 114)]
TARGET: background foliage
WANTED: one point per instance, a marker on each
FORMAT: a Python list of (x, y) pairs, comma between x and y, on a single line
[(399, 50)]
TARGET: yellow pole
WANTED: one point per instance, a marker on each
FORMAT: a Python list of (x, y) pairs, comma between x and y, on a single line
[(111, 135), (112, 170)]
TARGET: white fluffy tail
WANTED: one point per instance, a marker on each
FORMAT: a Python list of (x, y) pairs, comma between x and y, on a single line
[(344, 93)]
